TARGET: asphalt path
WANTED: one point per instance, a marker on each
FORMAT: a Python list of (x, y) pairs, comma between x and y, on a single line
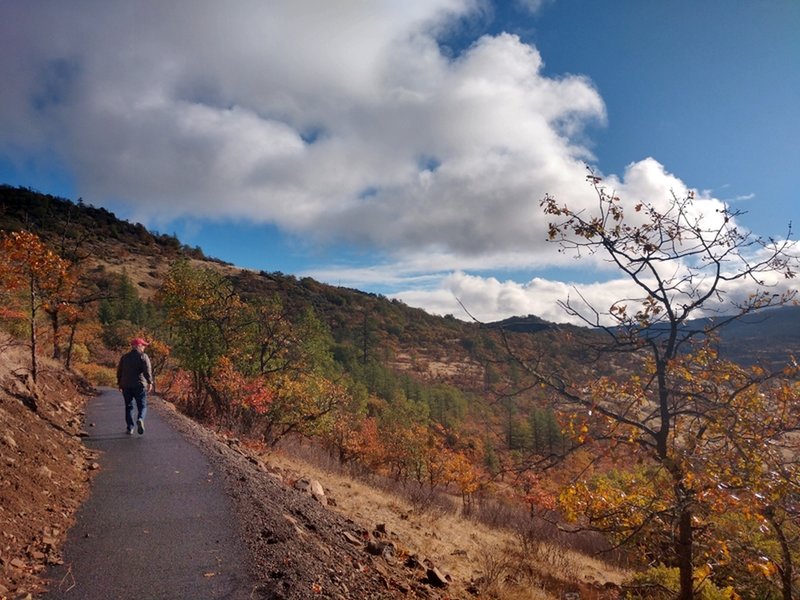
[(157, 524)]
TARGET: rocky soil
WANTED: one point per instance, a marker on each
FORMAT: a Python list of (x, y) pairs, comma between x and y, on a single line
[(300, 547), (44, 468)]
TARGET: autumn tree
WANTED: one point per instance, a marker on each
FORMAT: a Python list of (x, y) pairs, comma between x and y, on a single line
[(350, 433), (251, 366), (764, 500), (205, 321), (26, 263), (681, 414), (309, 390), (75, 293)]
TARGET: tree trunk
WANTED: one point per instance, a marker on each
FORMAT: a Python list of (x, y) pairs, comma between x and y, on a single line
[(787, 568), (34, 365), (684, 551), (70, 345), (56, 325)]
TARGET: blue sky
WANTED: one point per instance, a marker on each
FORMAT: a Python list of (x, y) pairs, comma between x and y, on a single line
[(402, 148)]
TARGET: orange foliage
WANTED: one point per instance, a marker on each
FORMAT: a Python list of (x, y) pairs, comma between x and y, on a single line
[(241, 393), (25, 262)]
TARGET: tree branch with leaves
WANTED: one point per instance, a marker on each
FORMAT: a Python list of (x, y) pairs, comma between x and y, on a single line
[(689, 417)]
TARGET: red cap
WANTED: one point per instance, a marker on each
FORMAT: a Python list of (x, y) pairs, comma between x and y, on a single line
[(139, 342)]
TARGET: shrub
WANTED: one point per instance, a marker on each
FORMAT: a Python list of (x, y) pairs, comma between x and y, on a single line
[(662, 583), (80, 354), (99, 375)]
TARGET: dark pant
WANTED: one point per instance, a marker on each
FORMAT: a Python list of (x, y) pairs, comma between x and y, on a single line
[(138, 394)]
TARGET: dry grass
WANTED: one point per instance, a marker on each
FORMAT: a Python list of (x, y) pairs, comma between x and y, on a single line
[(12, 354), (499, 564), (148, 272)]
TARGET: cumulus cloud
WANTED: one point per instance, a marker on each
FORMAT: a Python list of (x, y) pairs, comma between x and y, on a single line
[(489, 298), (338, 122), (344, 122)]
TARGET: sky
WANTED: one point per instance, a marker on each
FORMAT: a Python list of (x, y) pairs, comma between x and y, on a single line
[(402, 148)]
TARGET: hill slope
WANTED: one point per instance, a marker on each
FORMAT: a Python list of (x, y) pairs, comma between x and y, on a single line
[(413, 341), (429, 347), (44, 467)]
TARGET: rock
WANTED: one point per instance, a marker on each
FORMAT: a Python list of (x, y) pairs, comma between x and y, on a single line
[(9, 441), (312, 487), (316, 488), (351, 538), (436, 578), (94, 466), (381, 570), (17, 563), (378, 548)]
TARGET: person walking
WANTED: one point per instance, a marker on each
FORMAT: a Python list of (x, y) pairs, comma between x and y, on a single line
[(134, 380)]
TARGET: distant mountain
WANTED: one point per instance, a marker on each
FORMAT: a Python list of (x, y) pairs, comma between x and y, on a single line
[(529, 324), (768, 337)]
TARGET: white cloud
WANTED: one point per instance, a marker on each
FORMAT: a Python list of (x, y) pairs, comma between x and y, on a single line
[(533, 6), (488, 299), (444, 291), (344, 122), (340, 122)]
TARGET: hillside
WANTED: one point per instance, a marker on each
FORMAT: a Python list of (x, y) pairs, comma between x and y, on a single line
[(45, 469), (444, 414), (46, 473), (410, 340), (768, 338)]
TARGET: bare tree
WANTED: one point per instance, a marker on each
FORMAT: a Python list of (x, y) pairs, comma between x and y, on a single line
[(683, 411)]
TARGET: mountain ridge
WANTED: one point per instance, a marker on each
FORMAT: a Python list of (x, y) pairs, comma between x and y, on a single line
[(78, 228)]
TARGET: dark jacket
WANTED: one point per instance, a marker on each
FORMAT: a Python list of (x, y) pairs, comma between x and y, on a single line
[(134, 370)]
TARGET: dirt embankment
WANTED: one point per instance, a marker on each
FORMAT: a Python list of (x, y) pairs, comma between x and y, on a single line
[(44, 467), (300, 547)]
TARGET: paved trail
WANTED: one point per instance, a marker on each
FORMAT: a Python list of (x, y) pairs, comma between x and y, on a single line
[(157, 525)]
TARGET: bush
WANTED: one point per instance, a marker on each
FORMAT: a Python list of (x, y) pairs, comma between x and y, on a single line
[(99, 375), (80, 354), (663, 583)]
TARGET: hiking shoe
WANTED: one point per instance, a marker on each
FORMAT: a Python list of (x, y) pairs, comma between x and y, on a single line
[(140, 426), (130, 431)]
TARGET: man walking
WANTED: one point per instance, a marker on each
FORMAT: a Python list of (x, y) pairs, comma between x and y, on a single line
[(135, 379)]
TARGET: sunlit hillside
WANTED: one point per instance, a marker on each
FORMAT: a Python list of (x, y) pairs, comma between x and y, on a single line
[(527, 438)]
